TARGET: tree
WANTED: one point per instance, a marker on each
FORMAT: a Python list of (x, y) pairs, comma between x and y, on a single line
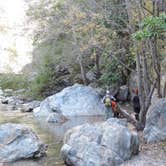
[(148, 25)]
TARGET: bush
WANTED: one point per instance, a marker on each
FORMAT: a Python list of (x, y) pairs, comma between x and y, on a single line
[(112, 74), (13, 81)]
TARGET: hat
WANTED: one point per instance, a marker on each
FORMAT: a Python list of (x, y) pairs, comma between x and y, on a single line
[(107, 91)]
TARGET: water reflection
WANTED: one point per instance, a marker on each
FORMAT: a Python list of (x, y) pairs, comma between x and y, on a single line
[(59, 129)]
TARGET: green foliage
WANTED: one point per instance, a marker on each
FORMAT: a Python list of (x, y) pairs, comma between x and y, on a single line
[(112, 74), (44, 80), (13, 81), (151, 26)]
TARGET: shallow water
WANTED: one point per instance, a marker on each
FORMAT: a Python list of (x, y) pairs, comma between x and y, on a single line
[(50, 134)]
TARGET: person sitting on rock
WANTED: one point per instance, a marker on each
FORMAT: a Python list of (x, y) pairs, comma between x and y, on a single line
[(136, 103), (111, 105)]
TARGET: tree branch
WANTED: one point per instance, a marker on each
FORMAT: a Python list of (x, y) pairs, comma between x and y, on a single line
[(126, 115), (118, 60)]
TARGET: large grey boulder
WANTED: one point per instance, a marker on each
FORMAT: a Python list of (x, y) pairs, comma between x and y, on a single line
[(76, 100), (155, 128), (18, 142), (108, 144), (56, 118)]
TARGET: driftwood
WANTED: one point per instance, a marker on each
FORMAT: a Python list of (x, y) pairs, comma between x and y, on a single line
[(125, 114)]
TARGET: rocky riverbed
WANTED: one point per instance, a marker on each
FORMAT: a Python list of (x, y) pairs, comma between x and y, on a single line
[(50, 134)]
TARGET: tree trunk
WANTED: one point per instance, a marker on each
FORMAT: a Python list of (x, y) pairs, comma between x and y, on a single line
[(156, 63), (140, 90), (83, 73), (98, 73), (145, 72), (126, 115)]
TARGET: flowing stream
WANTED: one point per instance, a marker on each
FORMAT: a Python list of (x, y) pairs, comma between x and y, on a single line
[(50, 134)]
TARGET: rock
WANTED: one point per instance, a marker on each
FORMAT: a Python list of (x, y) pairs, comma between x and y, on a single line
[(20, 91), (149, 155), (12, 100), (1, 92), (56, 118), (8, 92), (154, 97), (100, 91), (18, 142), (29, 107), (123, 93), (91, 76), (4, 100), (61, 70), (76, 100), (155, 128), (95, 145), (163, 85)]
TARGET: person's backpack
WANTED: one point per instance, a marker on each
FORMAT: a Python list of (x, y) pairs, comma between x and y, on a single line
[(107, 101)]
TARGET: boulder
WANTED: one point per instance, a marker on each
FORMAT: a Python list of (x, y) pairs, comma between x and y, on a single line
[(18, 142), (163, 85), (56, 118), (123, 93), (108, 143), (155, 127), (100, 91), (1, 92), (76, 100), (91, 76), (8, 92), (29, 107), (12, 100), (154, 97)]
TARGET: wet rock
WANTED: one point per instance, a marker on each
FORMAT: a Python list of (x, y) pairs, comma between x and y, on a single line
[(56, 118), (155, 128), (8, 92), (95, 145), (76, 100), (18, 142), (29, 107), (123, 93)]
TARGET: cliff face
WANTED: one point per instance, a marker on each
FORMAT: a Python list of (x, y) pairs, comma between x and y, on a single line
[(15, 42)]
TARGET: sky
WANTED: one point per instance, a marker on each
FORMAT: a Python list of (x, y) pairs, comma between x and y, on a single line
[(15, 39)]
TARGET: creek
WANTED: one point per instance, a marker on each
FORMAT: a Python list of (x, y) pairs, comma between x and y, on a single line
[(51, 134)]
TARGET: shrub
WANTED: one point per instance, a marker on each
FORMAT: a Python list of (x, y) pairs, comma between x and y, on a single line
[(13, 81)]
